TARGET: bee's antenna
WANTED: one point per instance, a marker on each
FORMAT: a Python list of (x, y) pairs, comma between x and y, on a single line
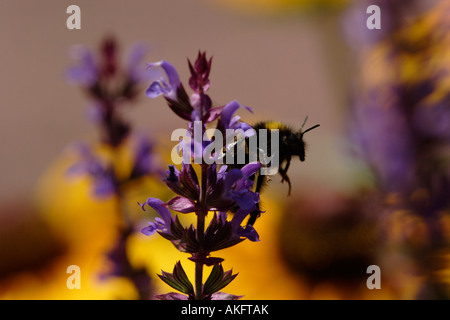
[(303, 124), (313, 127)]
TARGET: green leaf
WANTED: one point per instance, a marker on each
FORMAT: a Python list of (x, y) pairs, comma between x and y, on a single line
[(178, 279), (214, 277), (180, 275), (218, 279)]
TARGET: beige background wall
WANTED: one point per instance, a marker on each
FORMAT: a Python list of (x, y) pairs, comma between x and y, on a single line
[(285, 68)]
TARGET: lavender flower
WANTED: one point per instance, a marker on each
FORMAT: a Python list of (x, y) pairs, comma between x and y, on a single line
[(110, 86), (166, 82), (144, 163), (217, 189), (102, 176)]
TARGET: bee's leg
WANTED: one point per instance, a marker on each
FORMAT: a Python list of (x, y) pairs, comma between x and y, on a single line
[(253, 216), (283, 172), (284, 176), (256, 213)]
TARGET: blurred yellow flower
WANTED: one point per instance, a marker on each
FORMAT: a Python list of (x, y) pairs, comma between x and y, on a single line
[(273, 7), (419, 49)]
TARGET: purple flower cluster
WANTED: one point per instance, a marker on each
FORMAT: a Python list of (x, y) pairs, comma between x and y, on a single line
[(103, 175), (110, 85), (217, 189)]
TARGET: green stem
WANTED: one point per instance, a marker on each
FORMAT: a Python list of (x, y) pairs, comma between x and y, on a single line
[(201, 214), (198, 281)]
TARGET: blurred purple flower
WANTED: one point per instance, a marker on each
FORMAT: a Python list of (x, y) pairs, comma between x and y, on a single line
[(120, 266), (109, 84), (433, 121), (143, 163), (104, 182), (135, 67), (354, 20), (382, 134), (85, 72), (89, 68)]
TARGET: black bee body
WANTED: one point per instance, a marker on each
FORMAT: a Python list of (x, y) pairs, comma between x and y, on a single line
[(290, 145)]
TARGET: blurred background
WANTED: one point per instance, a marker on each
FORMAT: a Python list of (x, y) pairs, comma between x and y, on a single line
[(287, 60)]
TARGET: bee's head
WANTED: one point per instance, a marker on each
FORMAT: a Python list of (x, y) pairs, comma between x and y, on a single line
[(299, 137)]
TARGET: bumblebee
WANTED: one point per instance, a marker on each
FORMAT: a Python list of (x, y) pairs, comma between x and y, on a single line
[(291, 144)]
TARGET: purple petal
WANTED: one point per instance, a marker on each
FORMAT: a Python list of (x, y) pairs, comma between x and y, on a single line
[(77, 169), (143, 157), (214, 113), (151, 228), (159, 206), (135, 67), (231, 177), (250, 169), (245, 199), (158, 72), (224, 296), (172, 296), (228, 112), (104, 186), (223, 216), (238, 217), (85, 72), (222, 170), (249, 232), (181, 204), (156, 89)]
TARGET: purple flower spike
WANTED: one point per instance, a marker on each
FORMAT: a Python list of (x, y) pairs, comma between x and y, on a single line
[(220, 190), (165, 80)]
